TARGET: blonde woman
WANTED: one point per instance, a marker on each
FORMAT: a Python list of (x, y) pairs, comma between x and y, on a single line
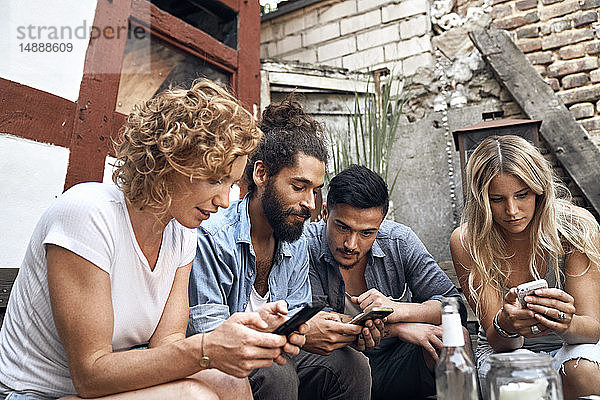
[(107, 268), (519, 226)]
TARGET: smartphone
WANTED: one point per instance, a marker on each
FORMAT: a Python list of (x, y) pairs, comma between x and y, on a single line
[(527, 288), (373, 313), (292, 324)]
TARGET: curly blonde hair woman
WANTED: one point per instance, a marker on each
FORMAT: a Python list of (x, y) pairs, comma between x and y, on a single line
[(107, 268), (519, 225)]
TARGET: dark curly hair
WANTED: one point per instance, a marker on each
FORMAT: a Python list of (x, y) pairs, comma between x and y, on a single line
[(287, 131)]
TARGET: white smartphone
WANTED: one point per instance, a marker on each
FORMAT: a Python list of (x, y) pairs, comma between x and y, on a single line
[(527, 288)]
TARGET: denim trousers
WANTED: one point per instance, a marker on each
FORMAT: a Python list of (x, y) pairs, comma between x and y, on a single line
[(343, 375)]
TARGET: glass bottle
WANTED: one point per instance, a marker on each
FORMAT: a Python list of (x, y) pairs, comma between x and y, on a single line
[(523, 376), (455, 374)]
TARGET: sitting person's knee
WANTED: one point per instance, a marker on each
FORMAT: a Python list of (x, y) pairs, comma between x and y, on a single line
[(579, 369), (194, 389)]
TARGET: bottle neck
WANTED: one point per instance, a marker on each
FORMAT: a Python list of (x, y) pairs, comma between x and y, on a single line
[(452, 333)]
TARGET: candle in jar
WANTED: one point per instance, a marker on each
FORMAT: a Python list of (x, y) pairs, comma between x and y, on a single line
[(535, 390)]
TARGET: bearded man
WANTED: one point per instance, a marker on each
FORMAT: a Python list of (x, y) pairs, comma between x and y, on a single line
[(253, 253)]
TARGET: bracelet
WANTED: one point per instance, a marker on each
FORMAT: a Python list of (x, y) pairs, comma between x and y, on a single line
[(501, 331), (204, 360)]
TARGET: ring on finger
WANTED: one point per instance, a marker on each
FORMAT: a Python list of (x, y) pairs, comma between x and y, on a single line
[(546, 311), (562, 316), (535, 330)]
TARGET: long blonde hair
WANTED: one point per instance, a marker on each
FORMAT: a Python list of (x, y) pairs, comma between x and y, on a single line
[(197, 132), (554, 229)]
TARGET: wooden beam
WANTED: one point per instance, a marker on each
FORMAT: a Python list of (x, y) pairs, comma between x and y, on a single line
[(247, 77), (34, 114), (184, 33), (571, 144), (93, 117)]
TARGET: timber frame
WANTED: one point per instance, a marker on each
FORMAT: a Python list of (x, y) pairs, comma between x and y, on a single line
[(569, 142), (87, 125)]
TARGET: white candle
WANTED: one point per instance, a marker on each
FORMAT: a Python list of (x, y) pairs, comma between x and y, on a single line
[(535, 390)]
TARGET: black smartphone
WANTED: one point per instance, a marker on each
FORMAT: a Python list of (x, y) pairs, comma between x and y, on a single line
[(292, 324)]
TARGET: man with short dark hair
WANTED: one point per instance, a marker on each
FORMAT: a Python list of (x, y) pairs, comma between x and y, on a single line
[(253, 253), (359, 261)]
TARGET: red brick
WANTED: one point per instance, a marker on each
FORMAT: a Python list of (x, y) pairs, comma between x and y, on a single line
[(558, 10), (541, 57), (501, 11), (569, 52), (562, 68), (553, 82), (528, 32), (592, 47), (579, 95), (517, 21), (585, 18), (529, 45), (566, 38), (589, 4), (575, 80), (525, 4)]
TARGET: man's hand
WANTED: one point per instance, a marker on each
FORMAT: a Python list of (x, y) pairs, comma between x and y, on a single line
[(371, 335), (427, 336), (327, 333), (374, 298), (240, 345)]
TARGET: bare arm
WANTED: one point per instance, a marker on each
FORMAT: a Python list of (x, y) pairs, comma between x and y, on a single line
[(490, 303), (80, 296)]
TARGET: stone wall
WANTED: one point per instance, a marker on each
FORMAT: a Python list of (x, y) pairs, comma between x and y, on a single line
[(353, 34)]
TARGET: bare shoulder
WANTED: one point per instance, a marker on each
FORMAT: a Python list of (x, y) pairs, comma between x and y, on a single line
[(458, 249), (457, 244)]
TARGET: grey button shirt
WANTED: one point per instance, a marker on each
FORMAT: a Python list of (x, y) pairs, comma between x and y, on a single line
[(398, 265)]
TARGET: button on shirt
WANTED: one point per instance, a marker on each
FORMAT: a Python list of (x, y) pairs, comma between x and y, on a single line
[(224, 270), (398, 265)]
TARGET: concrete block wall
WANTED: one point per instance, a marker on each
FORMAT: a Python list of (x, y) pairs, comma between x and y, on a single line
[(354, 34), (561, 38)]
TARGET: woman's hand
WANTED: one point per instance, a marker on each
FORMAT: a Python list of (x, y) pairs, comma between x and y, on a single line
[(238, 346), (514, 318), (554, 309)]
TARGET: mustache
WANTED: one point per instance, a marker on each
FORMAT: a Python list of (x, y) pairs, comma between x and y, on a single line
[(302, 213), (344, 250)]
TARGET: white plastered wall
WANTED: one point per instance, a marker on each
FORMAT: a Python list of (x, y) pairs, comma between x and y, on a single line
[(32, 174)]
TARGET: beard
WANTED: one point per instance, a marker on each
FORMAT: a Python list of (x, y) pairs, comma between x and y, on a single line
[(273, 209)]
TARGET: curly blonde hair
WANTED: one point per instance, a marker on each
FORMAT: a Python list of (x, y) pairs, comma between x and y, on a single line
[(197, 132), (555, 228)]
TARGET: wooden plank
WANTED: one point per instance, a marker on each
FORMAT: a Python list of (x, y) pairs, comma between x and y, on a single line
[(34, 114), (571, 144), (7, 278), (97, 100), (189, 36)]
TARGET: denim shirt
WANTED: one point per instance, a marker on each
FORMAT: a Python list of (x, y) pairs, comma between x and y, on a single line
[(398, 265), (224, 270)]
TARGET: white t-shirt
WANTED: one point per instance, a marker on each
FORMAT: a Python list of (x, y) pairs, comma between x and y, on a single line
[(256, 300), (91, 220)]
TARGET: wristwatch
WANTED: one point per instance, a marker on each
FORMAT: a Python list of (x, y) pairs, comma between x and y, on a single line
[(204, 360), (501, 331)]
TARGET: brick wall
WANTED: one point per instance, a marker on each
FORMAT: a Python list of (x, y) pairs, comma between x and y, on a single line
[(353, 34), (561, 38)]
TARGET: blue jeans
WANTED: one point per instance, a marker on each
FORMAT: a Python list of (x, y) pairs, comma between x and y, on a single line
[(17, 396)]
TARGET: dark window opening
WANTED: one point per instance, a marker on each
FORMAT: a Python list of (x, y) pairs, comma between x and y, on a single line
[(210, 16)]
